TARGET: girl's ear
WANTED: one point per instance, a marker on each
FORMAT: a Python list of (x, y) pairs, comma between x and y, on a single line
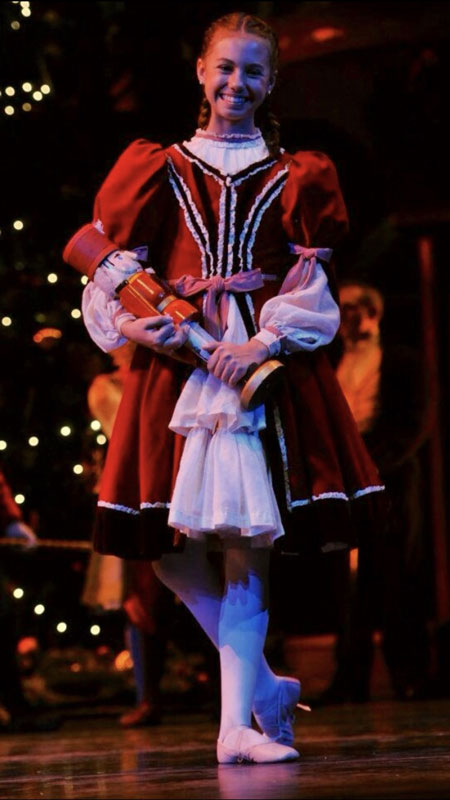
[(200, 70), (272, 82)]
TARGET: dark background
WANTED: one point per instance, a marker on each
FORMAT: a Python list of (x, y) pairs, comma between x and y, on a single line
[(374, 97)]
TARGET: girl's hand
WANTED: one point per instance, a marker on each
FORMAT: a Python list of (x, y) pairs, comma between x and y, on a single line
[(159, 333), (230, 362)]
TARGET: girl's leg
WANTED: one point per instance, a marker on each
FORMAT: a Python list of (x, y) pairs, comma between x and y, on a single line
[(242, 631), (192, 577)]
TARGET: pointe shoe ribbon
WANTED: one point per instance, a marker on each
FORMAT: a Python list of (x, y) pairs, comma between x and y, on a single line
[(243, 744), (276, 718)]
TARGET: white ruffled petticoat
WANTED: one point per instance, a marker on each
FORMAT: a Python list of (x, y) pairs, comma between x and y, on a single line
[(223, 484)]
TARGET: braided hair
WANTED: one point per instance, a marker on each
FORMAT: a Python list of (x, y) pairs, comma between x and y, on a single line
[(247, 23)]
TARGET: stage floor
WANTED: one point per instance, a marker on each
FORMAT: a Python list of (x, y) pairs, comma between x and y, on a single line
[(381, 749)]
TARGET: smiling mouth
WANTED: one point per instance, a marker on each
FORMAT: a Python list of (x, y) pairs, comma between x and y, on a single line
[(232, 99)]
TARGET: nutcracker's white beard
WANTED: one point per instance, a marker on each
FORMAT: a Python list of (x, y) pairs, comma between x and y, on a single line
[(234, 615)]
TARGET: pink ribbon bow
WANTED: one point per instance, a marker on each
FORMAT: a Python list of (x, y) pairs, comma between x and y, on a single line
[(297, 276), (216, 303)]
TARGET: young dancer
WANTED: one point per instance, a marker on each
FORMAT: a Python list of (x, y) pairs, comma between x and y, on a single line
[(245, 230)]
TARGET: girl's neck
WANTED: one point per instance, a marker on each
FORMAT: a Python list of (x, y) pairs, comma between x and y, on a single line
[(226, 129), (230, 136)]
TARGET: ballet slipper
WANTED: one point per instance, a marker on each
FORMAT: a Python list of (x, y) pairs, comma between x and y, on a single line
[(276, 719), (243, 744)]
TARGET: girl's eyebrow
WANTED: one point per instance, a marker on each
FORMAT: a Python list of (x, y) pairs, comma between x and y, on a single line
[(223, 59)]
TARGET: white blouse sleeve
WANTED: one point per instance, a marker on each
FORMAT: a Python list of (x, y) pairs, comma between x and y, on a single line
[(103, 316), (303, 318), (103, 313)]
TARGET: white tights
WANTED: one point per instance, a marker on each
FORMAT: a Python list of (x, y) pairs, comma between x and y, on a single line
[(233, 615)]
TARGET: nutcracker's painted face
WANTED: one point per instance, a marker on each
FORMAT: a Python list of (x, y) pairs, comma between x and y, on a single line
[(236, 74), (361, 312)]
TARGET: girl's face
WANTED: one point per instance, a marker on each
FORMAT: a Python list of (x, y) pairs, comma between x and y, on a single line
[(236, 75)]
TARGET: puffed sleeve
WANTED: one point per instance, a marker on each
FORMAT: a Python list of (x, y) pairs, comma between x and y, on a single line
[(103, 317), (305, 315), (130, 203), (128, 209), (313, 209)]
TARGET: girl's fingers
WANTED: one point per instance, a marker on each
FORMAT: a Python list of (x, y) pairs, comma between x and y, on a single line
[(157, 322), (235, 376), (210, 346)]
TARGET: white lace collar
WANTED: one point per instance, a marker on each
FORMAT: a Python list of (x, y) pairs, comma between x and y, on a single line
[(229, 155)]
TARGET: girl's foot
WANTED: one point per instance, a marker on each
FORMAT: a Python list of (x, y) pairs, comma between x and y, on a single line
[(243, 744), (276, 715)]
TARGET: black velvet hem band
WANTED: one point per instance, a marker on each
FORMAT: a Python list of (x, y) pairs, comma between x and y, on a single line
[(136, 536), (333, 524), (322, 526)]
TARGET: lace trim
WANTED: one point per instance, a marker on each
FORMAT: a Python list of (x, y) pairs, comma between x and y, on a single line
[(253, 221), (368, 490), (196, 160), (220, 238), (250, 172), (192, 217), (337, 496), (133, 511), (251, 308), (155, 505), (234, 140), (117, 507), (283, 451), (232, 232)]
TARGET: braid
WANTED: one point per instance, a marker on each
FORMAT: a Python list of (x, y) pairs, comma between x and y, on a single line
[(270, 128), (239, 21), (204, 113)]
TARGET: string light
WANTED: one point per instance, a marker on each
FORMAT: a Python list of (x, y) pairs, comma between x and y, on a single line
[(19, 498), (9, 110), (123, 661), (6, 321), (45, 88), (10, 91), (27, 106), (65, 430), (27, 86), (84, 280), (61, 627), (95, 630), (18, 593), (18, 225), (39, 609), (96, 425), (52, 277), (101, 439), (3, 444), (15, 25), (46, 333), (33, 441), (78, 469), (37, 95), (75, 313)]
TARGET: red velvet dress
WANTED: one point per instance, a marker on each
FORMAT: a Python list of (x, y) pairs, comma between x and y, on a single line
[(197, 220)]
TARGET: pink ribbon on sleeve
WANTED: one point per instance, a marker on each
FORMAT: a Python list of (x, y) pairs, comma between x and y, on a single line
[(298, 276)]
